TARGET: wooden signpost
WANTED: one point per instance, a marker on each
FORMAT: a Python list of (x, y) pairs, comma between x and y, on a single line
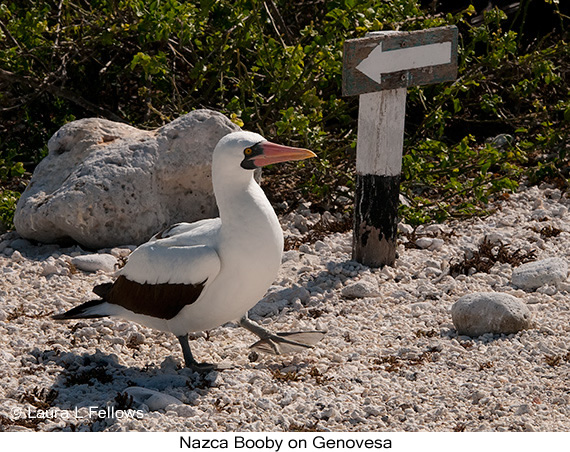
[(379, 68)]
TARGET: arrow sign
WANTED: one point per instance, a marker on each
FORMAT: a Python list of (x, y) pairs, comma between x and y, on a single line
[(397, 59), (380, 68), (404, 59)]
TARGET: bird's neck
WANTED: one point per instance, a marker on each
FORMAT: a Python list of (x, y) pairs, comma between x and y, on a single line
[(251, 228), (244, 204)]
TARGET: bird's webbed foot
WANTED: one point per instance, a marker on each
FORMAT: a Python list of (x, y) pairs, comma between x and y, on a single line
[(281, 343)]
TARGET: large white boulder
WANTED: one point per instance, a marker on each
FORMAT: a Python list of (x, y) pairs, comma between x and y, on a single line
[(105, 184)]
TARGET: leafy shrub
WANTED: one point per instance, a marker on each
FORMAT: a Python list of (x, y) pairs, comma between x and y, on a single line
[(8, 200), (9, 171), (481, 134), (276, 67)]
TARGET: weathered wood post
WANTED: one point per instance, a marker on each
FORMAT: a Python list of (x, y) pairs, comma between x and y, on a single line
[(380, 67)]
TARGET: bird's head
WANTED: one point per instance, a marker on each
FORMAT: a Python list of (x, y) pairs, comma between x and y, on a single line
[(248, 151)]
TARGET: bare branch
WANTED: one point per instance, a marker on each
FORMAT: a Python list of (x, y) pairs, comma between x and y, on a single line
[(277, 20), (9, 35)]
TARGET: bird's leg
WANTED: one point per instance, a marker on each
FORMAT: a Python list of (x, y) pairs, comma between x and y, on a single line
[(189, 358), (256, 329), (280, 343)]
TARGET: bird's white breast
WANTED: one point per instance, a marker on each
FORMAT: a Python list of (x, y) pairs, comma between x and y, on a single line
[(250, 245)]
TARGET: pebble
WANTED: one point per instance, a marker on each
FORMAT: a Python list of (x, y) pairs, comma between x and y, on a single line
[(523, 409), (436, 244), (539, 214), (50, 267), (136, 338), (154, 400), (17, 256), (321, 246), (532, 275), (360, 289), (121, 252), (433, 263), (547, 289), (95, 262), (86, 332), (495, 238), (560, 212), (424, 242), (20, 244), (404, 228)]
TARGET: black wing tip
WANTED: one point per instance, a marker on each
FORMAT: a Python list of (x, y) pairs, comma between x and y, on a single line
[(62, 316), (80, 312)]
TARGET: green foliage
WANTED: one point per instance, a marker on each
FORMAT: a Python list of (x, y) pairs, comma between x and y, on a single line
[(276, 67), (445, 180), (9, 171), (452, 165), (8, 200)]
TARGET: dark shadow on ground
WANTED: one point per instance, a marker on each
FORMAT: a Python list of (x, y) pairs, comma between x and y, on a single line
[(91, 387)]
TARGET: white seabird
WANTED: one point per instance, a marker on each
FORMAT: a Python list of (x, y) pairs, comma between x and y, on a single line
[(197, 276)]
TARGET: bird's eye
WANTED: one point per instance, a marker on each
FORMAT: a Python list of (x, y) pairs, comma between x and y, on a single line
[(247, 151)]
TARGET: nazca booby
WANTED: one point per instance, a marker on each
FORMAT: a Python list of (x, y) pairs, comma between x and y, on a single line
[(197, 276)]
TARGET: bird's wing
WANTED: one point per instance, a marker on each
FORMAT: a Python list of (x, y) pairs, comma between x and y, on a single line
[(184, 253), (163, 300), (158, 263), (159, 280), (165, 274), (197, 228)]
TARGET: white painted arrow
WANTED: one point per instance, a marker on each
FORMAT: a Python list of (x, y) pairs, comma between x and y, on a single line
[(380, 62)]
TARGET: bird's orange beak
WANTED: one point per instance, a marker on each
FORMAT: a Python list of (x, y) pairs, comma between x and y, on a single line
[(276, 153)]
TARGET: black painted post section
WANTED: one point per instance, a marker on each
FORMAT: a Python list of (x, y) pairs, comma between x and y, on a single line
[(378, 172), (376, 219)]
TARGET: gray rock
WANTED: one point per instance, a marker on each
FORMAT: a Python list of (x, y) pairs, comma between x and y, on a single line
[(17, 256), (154, 400), (20, 244), (436, 245), (533, 275), (105, 184), (404, 228), (95, 262), (424, 242), (321, 246), (360, 289), (428, 243), (49, 268), (497, 313)]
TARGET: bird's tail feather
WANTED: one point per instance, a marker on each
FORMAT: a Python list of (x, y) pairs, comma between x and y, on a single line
[(89, 310)]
